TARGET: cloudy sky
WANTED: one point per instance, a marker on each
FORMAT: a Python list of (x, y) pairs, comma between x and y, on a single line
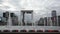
[(41, 7)]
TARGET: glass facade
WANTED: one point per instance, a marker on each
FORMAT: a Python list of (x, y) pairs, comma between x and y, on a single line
[(30, 12), (27, 18)]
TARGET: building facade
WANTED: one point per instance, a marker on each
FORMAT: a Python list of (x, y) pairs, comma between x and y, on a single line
[(41, 22), (54, 18), (59, 20)]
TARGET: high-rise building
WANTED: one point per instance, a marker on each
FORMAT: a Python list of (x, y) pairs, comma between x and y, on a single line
[(3, 21), (41, 22), (45, 21), (14, 19), (59, 20), (54, 13), (6, 14), (49, 21), (54, 18)]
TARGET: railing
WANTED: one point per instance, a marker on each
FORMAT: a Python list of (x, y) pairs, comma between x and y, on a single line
[(25, 31)]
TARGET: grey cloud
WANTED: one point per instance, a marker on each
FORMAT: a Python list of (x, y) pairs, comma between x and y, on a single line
[(42, 6), (1, 1)]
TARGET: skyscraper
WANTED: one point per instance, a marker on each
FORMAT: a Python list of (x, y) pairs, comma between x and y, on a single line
[(6, 16), (54, 13), (59, 20), (54, 18), (14, 19)]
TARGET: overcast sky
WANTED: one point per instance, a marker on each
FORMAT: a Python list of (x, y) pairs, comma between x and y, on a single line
[(40, 7)]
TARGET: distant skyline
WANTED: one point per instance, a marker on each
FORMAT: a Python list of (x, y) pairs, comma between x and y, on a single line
[(40, 7)]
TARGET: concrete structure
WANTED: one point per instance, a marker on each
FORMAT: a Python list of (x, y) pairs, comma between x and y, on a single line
[(14, 19), (23, 15), (6, 14), (27, 28), (49, 21), (11, 18), (3, 21)]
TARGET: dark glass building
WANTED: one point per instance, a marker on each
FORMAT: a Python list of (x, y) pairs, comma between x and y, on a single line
[(41, 22), (45, 21), (54, 18), (59, 20)]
